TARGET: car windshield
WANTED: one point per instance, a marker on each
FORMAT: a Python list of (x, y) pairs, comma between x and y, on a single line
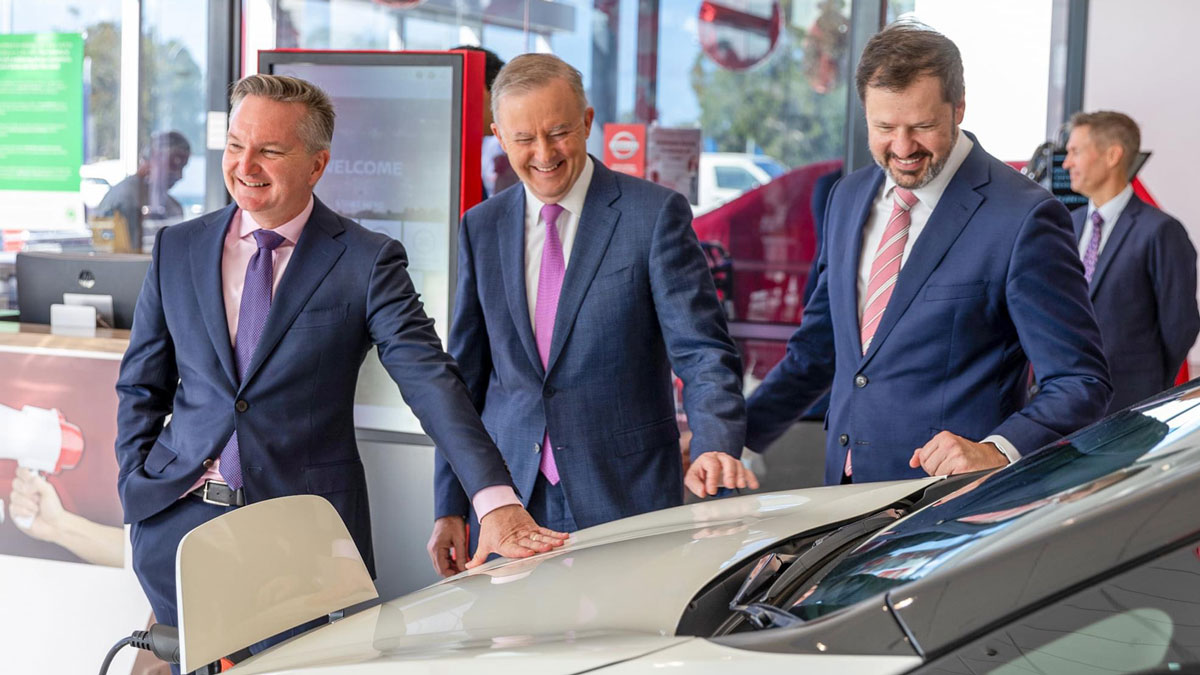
[(938, 536)]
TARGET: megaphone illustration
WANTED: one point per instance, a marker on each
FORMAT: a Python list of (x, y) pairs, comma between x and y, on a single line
[(41, 440)]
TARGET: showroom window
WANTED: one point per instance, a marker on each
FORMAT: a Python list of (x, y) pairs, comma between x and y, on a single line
[(124, 124)]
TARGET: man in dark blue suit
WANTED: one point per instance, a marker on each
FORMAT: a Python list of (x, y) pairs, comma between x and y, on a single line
[(249, 333), (944, 273), (578, 293), (1139, 262)]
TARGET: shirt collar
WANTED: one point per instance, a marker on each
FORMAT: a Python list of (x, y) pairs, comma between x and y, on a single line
[(1111, 209), (290, 230), (931, 193), (574, 199)]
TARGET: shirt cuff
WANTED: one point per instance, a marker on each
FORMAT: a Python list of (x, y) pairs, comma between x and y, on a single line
[(491, 498), (1005, 447)]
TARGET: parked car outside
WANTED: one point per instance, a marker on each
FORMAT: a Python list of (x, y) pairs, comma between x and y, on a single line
[(727, 175)]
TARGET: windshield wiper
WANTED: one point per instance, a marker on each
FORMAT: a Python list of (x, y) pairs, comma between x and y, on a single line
[(763, 615), (826, 546)]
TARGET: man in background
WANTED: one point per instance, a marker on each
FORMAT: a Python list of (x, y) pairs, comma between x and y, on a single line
[(1139, 263), (495, 170), (144, 195)]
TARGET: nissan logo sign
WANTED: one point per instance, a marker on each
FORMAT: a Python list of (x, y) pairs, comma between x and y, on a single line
[(623, 145), (87, 279)]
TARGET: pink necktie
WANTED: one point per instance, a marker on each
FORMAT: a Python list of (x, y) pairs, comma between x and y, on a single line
[(550, 279), (885, 269)]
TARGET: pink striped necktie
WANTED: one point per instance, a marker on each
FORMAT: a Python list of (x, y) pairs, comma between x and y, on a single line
[(885, 270), (550, 279), (886, 267)]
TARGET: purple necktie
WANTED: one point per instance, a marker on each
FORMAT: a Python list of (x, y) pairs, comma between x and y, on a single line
[(550, 279), (1093, 248), (252, 317)]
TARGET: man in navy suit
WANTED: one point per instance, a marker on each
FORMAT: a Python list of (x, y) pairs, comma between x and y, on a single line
[(578, 293), (249, 333), (1139, 262), (944, 274)]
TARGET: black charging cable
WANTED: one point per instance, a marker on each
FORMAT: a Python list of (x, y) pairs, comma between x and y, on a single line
[(161, 639)]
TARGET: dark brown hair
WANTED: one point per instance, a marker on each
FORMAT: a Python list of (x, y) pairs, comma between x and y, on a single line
[(906, 50)]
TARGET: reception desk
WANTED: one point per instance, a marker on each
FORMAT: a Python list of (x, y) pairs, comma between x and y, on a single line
[(68, 589)]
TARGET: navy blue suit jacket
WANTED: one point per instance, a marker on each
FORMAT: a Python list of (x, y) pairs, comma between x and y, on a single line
[(993, 283), (636, 301), (1144, 293), (344, 290)]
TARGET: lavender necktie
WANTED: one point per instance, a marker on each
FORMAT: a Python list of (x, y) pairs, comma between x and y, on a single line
[(252, 317), (550, 279), (1093, 249)]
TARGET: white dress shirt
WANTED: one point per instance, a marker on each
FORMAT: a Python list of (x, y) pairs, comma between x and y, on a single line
[(1110, 211), (535, 231)]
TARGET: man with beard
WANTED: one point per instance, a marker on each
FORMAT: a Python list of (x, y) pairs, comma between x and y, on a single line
[(943, 275)]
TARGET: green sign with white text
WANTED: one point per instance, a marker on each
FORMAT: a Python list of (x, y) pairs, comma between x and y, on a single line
[(41, 112)]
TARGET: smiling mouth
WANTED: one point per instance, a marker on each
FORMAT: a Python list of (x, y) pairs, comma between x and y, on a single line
[(549, 169), (250, 184), (909, 162)]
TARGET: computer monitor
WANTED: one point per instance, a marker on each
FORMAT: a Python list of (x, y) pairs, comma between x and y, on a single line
[(43, 278)]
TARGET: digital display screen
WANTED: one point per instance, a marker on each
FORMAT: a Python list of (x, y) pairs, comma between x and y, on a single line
[(394, 168), (1060, 183)]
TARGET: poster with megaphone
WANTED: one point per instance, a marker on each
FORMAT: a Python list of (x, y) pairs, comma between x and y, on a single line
[(58, 471)]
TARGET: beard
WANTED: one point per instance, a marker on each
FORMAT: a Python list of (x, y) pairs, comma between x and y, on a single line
[(914, 182)]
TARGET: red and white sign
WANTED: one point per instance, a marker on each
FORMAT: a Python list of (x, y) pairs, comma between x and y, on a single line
[(625, 148)]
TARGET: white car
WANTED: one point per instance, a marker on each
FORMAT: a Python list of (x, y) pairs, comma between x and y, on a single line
[(724, 176), (1082, 557)]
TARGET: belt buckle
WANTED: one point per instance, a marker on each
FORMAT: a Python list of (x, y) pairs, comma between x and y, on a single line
[(206, 499)]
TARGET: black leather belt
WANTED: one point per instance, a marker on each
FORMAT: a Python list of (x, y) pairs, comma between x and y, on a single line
[(219, 494)]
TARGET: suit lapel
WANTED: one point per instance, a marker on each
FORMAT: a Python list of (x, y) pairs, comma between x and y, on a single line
[(952, 213), (207, 249), (596, 226), (852, 252), (1124, 225), (511, 234), (315, 254)]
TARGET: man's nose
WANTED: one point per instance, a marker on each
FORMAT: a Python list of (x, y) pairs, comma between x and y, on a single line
[(902, 143)]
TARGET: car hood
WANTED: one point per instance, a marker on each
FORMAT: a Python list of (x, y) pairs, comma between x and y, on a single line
[(613, 592)]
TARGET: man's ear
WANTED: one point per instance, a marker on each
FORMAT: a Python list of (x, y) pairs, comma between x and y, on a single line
[(1114, 156), (320, 161)]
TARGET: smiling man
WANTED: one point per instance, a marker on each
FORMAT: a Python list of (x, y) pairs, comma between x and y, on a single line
[(943, 275), (249, 333), (579, 291)]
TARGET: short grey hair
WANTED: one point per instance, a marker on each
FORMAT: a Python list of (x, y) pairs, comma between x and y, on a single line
[(316, 127), (1108, 127), (529, 72)]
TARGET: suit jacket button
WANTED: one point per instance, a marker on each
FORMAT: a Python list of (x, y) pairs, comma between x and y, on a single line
[(860, 381), (241, 406), (208, 463), (844, 439), (548, 391)]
